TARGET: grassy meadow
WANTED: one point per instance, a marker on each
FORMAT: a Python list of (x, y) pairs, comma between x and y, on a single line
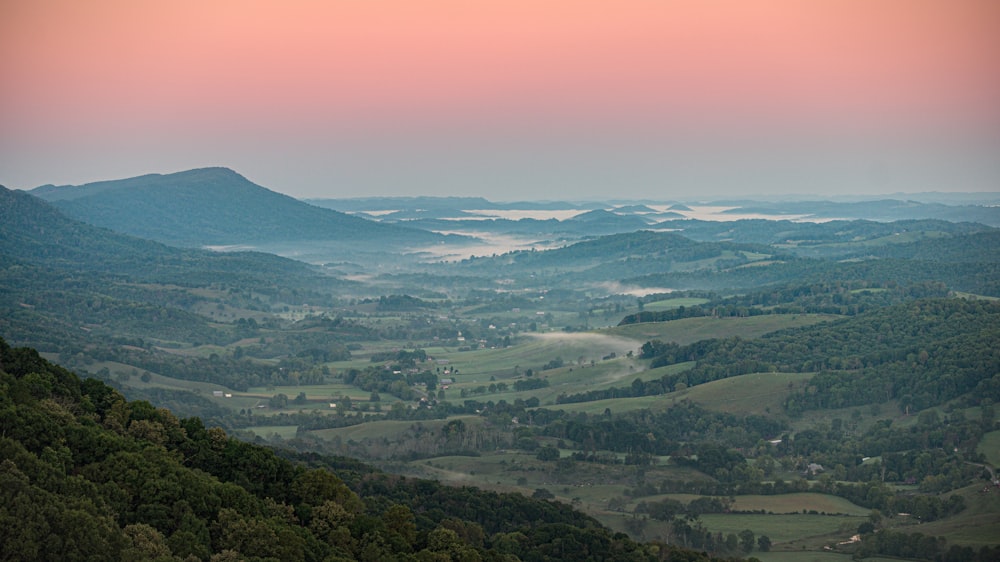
[(689, 330), (990, 448)]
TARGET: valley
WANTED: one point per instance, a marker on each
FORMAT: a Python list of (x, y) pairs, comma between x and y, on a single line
[(742, 379)]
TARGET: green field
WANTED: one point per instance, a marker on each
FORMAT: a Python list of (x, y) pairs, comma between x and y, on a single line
[(977, 525), (534, 351), (387, 428), (811, 556), (266, 431), (616, 405), (782, 504), (787, 528), (314, 393), (990, 448), (670, 304), (795, 503), (755, 393), (618, 372), (689, 330)]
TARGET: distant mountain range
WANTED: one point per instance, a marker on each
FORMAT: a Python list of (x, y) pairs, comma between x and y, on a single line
[(953, 207), (216, 206), (882, 210), (363, 204)]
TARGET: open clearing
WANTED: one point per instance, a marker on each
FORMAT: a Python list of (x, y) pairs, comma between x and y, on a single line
[(977, 525), (786, 528), (689, 330), (389, 428), (670, 304), (755, 393), (990, 448), (795, 503)]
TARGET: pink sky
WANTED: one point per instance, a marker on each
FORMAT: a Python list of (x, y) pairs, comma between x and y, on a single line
[(322, 98)]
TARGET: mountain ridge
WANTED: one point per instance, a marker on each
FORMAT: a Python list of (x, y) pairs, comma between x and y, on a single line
[(215, 206)]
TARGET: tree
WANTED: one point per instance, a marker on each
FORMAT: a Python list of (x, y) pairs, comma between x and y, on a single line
[(746, 540), (399, 519), (313, 487), (549, 453), (543, 494), (763, 543), (144, 542)]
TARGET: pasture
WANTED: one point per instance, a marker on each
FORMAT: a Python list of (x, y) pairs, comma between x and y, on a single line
[(795, 503), (990, 448), (755, 393), (689, 330), (787, 528), (387, 429), (977, 525), (670, 304), (812, 556), (267, 431)]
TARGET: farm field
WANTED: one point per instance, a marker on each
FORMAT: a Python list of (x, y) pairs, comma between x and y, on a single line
[(812, 556), (380, 429), (978, 524), (267, 431), (990, 448), (314, 393), (788, 528), (689, 330), (755, 393), (616, 405), (670, 304), (795, 503)]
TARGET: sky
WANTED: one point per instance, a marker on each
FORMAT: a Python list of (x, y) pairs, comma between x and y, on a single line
[(507, 99)]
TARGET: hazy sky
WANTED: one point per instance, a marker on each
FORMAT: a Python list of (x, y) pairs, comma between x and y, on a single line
[(508, 99)]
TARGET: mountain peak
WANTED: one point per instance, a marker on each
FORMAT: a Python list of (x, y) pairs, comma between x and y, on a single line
[(209, 172), (213, 206)]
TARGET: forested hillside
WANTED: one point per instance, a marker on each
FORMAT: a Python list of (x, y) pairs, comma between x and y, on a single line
[(33, 231), (87, 475)]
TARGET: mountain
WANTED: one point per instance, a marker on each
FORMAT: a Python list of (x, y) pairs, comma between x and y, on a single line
[(65, 284), (442, 204), (216, 206), (362, 204), (600, 221), (34, 231), (631, 209), (832, 237)]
